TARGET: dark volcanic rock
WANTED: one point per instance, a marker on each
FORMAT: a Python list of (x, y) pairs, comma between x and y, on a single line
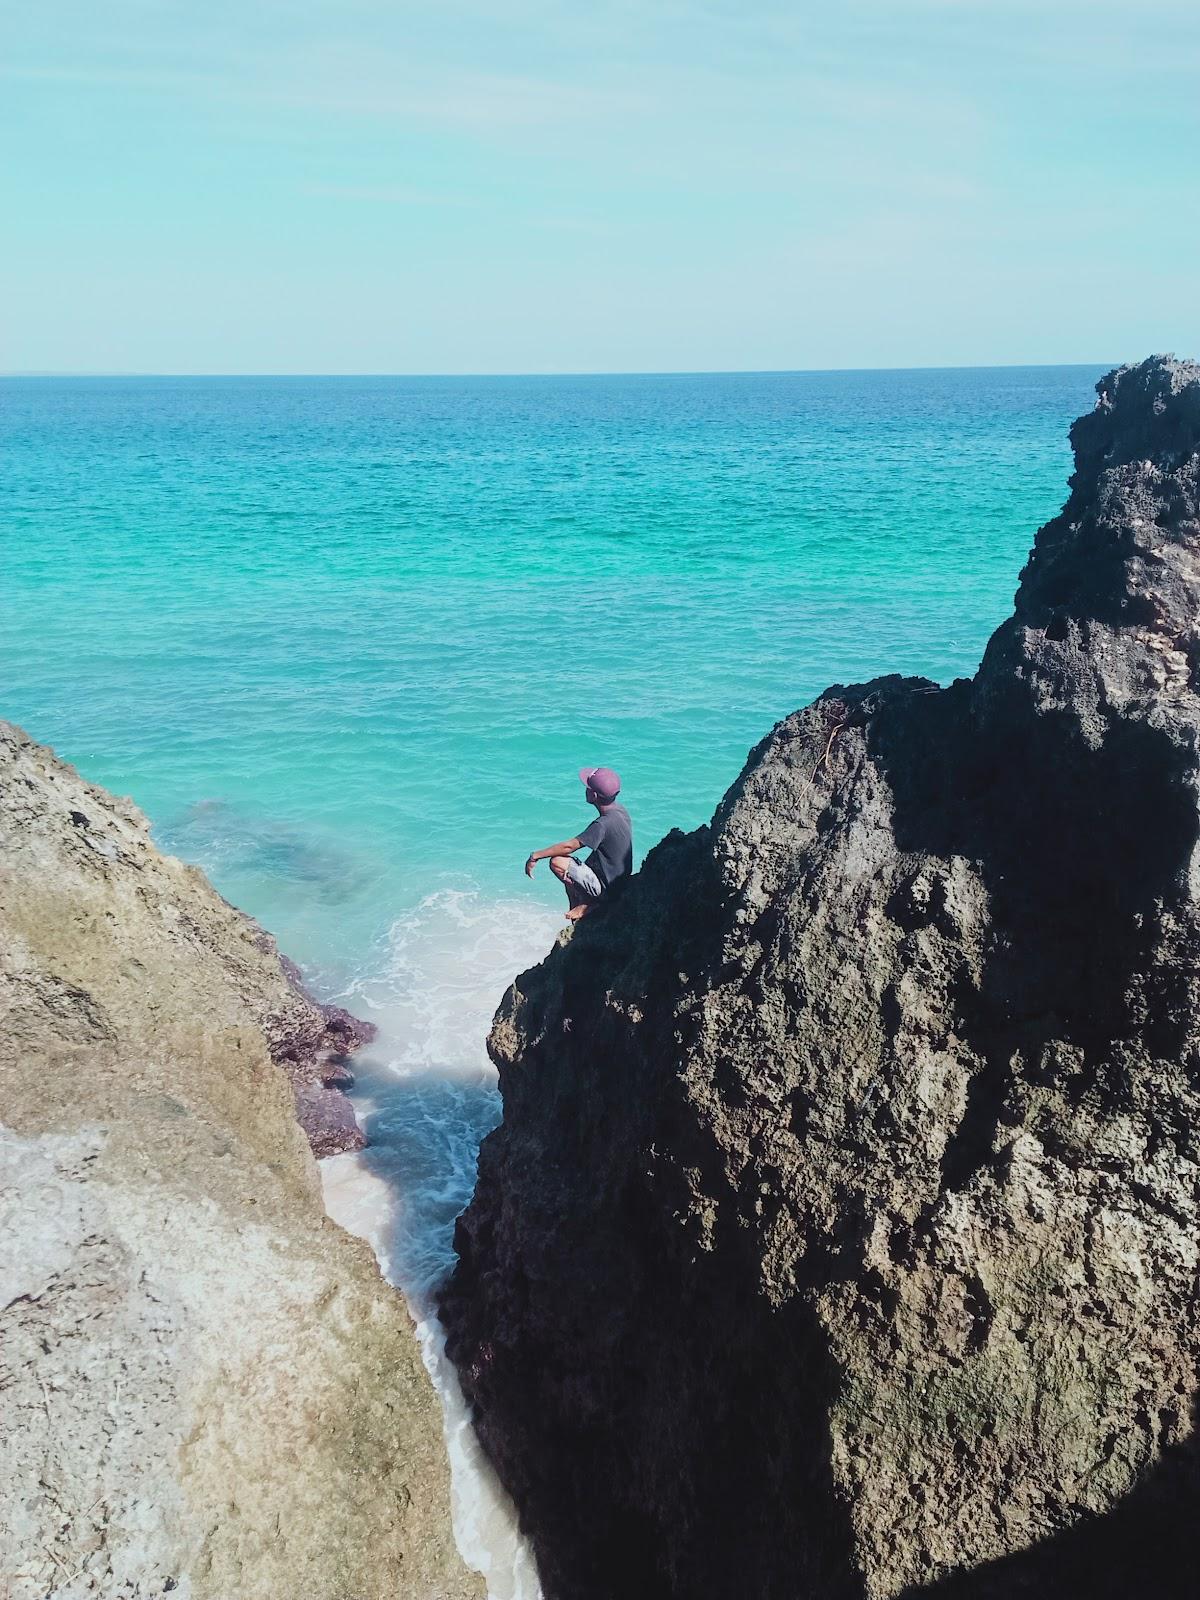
[(840, 1237), (328, 1120), (310, 1042)]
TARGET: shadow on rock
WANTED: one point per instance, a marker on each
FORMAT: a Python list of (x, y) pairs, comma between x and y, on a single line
[(1148, 1545)]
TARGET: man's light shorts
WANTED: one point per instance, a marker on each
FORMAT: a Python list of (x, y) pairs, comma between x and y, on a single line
[(584, 879)]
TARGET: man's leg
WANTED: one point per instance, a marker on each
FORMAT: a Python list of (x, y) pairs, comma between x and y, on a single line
[(559, 866), (581, 883)]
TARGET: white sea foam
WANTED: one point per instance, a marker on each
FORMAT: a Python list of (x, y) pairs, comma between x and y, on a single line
[(426, 1095)]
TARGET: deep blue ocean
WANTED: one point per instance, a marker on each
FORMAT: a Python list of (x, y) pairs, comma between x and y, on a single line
[(347, 641)]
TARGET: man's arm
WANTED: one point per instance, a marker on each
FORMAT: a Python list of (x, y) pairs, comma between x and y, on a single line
[(566, 848)]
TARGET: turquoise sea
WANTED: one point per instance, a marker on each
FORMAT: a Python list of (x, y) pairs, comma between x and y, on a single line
[(348, 640)]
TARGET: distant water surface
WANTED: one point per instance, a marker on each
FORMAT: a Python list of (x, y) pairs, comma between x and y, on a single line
[(348, 640)]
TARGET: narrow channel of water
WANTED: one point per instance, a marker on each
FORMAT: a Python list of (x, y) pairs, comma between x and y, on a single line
[(426, 1095)]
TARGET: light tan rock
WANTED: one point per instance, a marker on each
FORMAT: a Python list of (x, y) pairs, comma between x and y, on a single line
[(206, 1389)]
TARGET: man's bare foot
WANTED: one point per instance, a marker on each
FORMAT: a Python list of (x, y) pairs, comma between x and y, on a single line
[(576, 912)]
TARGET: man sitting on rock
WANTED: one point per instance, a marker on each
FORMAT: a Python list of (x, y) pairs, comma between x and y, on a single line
[(609, 838)]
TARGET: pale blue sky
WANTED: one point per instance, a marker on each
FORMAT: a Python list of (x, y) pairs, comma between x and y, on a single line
[(529, 186)]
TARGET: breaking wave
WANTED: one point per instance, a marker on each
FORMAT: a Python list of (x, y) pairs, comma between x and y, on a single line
[(426, 1096)]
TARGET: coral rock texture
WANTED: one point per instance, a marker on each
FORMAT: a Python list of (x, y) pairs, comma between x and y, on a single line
[(840, 1237), (206, 1388)]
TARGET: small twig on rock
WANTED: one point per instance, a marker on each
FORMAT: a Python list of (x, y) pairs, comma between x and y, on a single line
[(71, 1575), (824, 756)]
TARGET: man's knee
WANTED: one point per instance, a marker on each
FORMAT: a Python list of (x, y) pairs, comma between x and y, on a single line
[(558, 866)]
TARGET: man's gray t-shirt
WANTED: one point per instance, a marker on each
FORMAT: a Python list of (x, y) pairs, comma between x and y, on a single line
[(610, 839)]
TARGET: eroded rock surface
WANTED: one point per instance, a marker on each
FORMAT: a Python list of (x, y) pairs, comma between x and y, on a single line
[(840, 1237), (206, 1388)]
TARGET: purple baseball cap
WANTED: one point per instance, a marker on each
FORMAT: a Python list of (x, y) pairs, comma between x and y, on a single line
[(602, 781)]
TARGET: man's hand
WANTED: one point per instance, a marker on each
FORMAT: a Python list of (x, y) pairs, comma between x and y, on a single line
[(568, 847)]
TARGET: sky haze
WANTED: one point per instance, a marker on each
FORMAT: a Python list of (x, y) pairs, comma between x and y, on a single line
[(540, 187)]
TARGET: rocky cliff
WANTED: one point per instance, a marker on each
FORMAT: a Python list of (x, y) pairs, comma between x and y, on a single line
[(207, 1390), (840, 1238)]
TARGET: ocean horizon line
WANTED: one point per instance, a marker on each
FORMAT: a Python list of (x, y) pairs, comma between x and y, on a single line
[(615, 372)]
